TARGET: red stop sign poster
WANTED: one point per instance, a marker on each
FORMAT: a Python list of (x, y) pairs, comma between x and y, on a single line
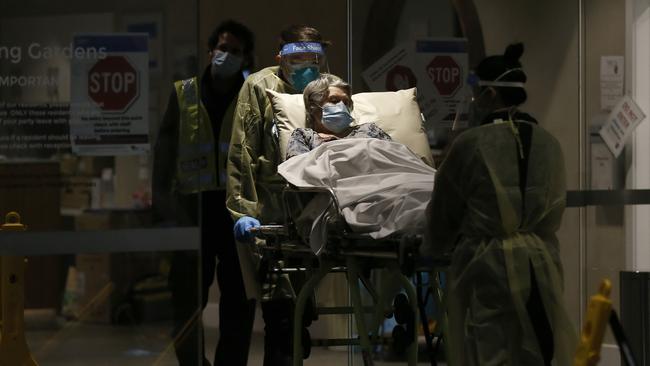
[(445, 73), (109, 94), (113, 84), (439, 69)]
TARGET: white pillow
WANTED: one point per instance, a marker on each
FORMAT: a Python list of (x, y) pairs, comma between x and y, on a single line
[(397, 113), (289, 114)]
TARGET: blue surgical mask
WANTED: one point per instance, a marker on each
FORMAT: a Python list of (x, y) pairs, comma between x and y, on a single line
[(302, 75), (225, 65), (336, 117)]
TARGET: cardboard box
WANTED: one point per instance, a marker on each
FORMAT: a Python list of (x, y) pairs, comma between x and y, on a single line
[(95, 288), (73, 165), (100, 220), (76, 191), (68, 164), (86, 165), (106, 287)]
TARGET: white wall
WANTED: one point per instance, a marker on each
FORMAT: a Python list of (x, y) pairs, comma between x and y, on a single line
[(638, 177)]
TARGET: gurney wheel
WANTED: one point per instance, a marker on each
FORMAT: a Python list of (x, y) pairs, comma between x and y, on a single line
[(400, 339), (402, 309), (306, 343)]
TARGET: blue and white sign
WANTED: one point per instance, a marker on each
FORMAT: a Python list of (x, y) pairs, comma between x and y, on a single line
[(621, 123), (110, 95), (438, 68)]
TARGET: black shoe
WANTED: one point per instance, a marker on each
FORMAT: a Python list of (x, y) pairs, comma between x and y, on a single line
[(275, 357), (278, 328)]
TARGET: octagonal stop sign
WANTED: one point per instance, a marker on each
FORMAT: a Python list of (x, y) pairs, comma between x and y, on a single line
[(445, 73), (113, 84)]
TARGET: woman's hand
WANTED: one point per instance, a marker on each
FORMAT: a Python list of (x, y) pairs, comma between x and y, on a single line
[(327, 137)]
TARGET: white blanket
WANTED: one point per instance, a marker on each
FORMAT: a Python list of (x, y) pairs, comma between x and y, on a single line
[(381, 186)]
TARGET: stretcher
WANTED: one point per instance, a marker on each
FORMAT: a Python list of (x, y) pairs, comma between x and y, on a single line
[(284, 251), (356, 255)]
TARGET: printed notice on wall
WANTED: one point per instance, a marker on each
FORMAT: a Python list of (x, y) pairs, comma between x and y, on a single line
[(612, 78), (602, 167), (622, 121), (33, 130), (109, 110), (438, 68)]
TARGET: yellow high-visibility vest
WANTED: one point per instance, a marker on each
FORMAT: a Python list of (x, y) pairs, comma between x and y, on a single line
[(196, 168)]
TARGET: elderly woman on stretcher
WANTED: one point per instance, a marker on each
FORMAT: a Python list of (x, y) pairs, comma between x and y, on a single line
[(381, 186), (328, 103)]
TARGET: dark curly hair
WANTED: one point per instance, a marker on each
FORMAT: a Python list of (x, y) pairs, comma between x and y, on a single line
[(241, 32), (494, 66)]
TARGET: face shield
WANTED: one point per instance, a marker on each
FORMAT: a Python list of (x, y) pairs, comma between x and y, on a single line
[(301, 63), (475, 109)]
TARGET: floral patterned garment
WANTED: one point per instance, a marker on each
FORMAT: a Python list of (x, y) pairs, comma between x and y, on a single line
[(304, 140)]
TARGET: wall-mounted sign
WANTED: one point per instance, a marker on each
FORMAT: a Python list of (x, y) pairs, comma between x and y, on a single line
[(612, 77), (622, 121), (438, 68), (110, 96)]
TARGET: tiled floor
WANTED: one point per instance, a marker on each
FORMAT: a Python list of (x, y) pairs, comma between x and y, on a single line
[(77, 344)]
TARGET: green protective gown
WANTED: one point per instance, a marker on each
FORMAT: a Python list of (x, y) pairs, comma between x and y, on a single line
[(496, 237), (254, 187)]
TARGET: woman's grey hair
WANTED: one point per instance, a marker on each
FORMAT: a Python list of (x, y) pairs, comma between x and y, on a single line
[(317, 91)]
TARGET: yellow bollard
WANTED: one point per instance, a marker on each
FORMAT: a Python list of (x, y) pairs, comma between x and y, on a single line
[(593, 331), (13, 344)]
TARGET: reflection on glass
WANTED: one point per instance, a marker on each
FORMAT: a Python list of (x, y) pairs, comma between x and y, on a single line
[(82, 92), (100, 308), (425, 48), (80, 97), (400, 45)]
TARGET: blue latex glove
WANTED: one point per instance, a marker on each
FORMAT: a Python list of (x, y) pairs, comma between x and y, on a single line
[(243, 225)]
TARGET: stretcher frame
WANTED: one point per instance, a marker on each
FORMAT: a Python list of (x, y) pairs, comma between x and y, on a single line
[(352, 254)]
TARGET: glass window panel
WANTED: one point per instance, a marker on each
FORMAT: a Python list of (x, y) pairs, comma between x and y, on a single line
[(83, 89)]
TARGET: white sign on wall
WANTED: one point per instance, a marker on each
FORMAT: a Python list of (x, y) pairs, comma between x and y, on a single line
[(110, 95), (437, 67), (622, 121), (611, 81)]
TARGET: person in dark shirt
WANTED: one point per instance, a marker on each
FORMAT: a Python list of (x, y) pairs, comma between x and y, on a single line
[(179, 201)]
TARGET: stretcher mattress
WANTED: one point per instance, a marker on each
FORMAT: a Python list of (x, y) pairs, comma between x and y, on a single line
[(382, 187)]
